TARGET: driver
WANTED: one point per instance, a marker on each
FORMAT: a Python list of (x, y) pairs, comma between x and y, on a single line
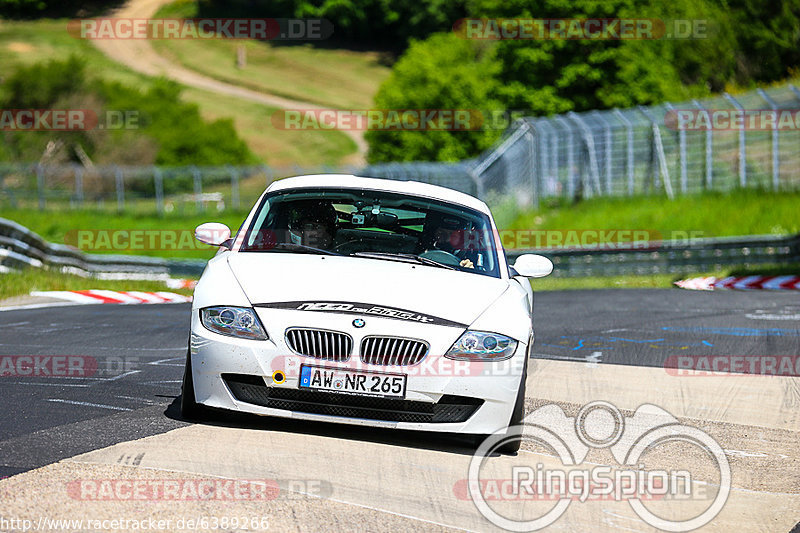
[(312, 223), (448, 237)]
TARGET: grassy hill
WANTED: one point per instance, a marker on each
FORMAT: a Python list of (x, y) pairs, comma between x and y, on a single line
[(342, 79), (28, 42)]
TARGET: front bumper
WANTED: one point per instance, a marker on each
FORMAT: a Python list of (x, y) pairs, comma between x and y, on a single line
[(441, 394)]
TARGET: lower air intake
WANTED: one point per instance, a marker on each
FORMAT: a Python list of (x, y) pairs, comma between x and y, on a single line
[(449, 408)]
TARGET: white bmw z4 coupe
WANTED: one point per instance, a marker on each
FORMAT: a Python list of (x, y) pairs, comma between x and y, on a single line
[(363, 301)]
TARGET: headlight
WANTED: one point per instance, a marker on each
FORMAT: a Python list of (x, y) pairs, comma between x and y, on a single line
[(482, 346), (239, 322)]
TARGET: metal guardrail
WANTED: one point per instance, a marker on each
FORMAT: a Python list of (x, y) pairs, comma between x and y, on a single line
[(21, 248), (672, 257)]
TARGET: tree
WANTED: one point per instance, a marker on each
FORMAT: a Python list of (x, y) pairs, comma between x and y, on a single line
[(443, 72)]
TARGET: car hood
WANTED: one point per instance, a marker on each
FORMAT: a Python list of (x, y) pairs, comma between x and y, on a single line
[(301, 280)]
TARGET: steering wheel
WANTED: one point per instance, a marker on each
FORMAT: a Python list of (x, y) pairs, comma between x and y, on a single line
[(440, 256)]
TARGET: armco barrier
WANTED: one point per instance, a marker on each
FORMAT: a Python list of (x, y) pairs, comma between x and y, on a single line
[(668, 257), (20, 247)]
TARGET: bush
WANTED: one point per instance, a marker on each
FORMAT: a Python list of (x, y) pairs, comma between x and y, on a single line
[(168, 131)]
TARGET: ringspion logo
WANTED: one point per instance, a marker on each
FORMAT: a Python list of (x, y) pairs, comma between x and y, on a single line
[(695, 499)]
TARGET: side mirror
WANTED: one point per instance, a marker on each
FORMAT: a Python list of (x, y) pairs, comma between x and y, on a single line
[(212, 233), (533, 266)]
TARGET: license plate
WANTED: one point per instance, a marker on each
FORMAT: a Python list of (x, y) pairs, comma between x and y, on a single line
[(348, 381)]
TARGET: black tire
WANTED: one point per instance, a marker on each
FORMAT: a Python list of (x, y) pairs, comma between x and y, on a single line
[(512, 445), (190, 409)]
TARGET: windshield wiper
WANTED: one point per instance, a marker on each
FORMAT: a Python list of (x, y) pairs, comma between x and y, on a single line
[(296, 248), (403, 257)]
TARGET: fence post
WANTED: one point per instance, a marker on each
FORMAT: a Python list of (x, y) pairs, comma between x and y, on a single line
[(267, 174), (681, 153), (588, 138), (519, 130), (78, 170), (570, 159), (158, 180), (234, 187), (775, 140), (550, 154), (709, 147), (742, 146), (198, 189), (628, 149), (120, 186), (40, 186), (11, 197), (534, 172), (479, 188), (543, 160), (607, 150), (794, 90), (659, 159)]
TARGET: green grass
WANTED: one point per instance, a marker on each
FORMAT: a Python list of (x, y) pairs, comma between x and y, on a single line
[(740, 212), (22, 282), (26, 42), (655, 281), (62, 227), (336, 78)]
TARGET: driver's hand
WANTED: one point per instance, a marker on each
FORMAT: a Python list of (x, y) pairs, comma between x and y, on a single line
[(466, 263)]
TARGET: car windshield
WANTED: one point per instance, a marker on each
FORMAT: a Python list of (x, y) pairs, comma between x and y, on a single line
[(374, 224)]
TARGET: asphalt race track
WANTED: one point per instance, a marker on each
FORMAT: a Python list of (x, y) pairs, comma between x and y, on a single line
[(581, 335)]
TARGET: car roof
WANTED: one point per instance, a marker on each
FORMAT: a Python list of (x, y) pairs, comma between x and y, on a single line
[(349, 181)]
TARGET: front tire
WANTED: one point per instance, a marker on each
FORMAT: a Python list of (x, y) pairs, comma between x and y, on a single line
[(190, 409), (512, 445)]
